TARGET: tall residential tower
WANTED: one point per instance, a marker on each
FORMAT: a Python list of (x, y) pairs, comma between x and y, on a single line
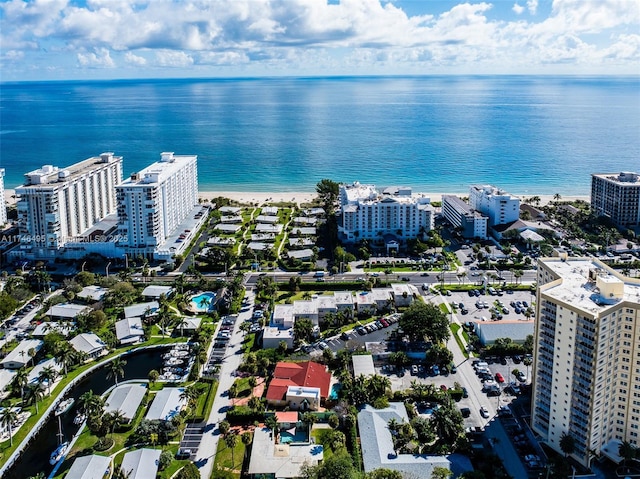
[(155, 201), (586, 381), (55, 206), (501, 207), (618, 197)]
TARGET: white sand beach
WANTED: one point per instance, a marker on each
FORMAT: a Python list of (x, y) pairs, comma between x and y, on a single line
[(302, 197)]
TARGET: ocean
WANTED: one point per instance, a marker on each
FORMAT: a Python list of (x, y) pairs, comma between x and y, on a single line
[(525, 134)]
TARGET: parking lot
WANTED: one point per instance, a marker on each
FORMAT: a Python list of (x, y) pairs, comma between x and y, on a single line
[(503, 306)]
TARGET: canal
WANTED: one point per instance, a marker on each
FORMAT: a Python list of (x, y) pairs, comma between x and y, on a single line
[(35, 458)]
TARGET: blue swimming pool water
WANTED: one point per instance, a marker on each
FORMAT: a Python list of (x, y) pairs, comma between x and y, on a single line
[(198, 304), (333, 394), (286, 437)]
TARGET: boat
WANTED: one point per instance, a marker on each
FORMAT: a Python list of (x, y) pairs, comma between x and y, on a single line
[(64, 406), (79, 419), (58, 453)]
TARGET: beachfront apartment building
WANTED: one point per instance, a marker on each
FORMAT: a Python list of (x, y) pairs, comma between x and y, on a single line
[(57, 206), (3, 206), (153, 203), (617, 197), (501, 207), (586, 375), (471, 223), (393, 214)]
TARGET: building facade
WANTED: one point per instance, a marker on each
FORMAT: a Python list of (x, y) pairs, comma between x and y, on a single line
[(56, 206), (461, 215), (501, 207), (586, 376), (155, 201), (617, 197), (397, 212)]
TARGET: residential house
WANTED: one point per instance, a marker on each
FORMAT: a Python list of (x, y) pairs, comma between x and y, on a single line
[(67, 311), (142, 310), (89, 343), (129, 330), (403, 294), (154, 291), (92, 293), (19, 356), (307, 375), (141, 463), (377, 448), (126, 398), (90, 467)]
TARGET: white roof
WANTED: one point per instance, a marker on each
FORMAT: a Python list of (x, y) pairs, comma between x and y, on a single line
[(126, 398), (266, 219), (301, 254), (94, 293), (155, 291), (67, 310), (129, 328), (140, 309), (343, 297), (264, 228), (141, 464), (166, 404), (230, 209), (87, 342), (363, 365), (47, 327), (89, 467), (190, 323), (15, 356), (270, 210), (38, 368)]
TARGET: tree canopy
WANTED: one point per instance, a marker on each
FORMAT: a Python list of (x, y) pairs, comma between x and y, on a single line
[(422, 321)]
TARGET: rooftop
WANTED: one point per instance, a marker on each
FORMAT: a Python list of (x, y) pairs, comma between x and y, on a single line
[(126, 398), (50, 176), (583, 282), (159, 171), (166, 404)]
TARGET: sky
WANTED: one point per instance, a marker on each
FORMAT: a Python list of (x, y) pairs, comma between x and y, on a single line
[(125, 39)]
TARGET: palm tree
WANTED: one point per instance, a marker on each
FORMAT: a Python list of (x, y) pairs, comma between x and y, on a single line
[(567, 444), (153, 376), (557, 197), (91, 404), (49, 375), (20, 381), (116, 368), (117, 417), (9, 416), (34, 393), (190, 394), (65, 355), (626, 451), (271, 423), (246, 439), (231, 439)]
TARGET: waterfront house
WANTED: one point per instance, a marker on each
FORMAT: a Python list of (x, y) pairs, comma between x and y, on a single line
[(67, 311), (129, 330), (90, 344), (127, 399), (142, 310)]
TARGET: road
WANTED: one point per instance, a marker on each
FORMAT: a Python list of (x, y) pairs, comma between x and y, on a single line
[(233, 358)]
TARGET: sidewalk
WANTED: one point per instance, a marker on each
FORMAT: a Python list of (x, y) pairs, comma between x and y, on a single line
[(233, 358)]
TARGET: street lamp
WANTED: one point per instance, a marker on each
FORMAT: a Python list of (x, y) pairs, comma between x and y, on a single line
[(82, 269), (126, 261), (106, 269)]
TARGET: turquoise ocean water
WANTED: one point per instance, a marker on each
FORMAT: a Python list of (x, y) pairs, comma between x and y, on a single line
[(529, 135)]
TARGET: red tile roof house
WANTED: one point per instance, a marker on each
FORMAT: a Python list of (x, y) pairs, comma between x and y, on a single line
[(307, 381)]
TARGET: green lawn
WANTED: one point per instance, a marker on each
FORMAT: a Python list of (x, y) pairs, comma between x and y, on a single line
[(226, 460), (455, 327)]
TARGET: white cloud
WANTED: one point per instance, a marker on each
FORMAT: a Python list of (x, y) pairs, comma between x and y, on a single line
[(173, 59), (134, 59), (302, 34), (99, 58)]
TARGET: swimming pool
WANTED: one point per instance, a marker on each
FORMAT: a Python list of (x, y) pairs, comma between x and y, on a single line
[(203, 302), (300, 435), (335, 388)]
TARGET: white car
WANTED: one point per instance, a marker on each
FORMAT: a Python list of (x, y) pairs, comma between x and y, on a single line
[(484, 412)]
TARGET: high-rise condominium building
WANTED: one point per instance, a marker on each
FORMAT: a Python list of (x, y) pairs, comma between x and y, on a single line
[(461, 215), (368, 214), (3, 205), (586, 381), (618, 197), (55, 206), (501, 207), (155, 201)]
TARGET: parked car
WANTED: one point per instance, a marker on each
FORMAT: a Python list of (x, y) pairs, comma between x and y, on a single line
[(465, 411), (414, 369), (465, 393), (499, 378), (484, 412)]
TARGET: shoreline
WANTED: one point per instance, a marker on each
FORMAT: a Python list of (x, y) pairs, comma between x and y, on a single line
[(301, 197)]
